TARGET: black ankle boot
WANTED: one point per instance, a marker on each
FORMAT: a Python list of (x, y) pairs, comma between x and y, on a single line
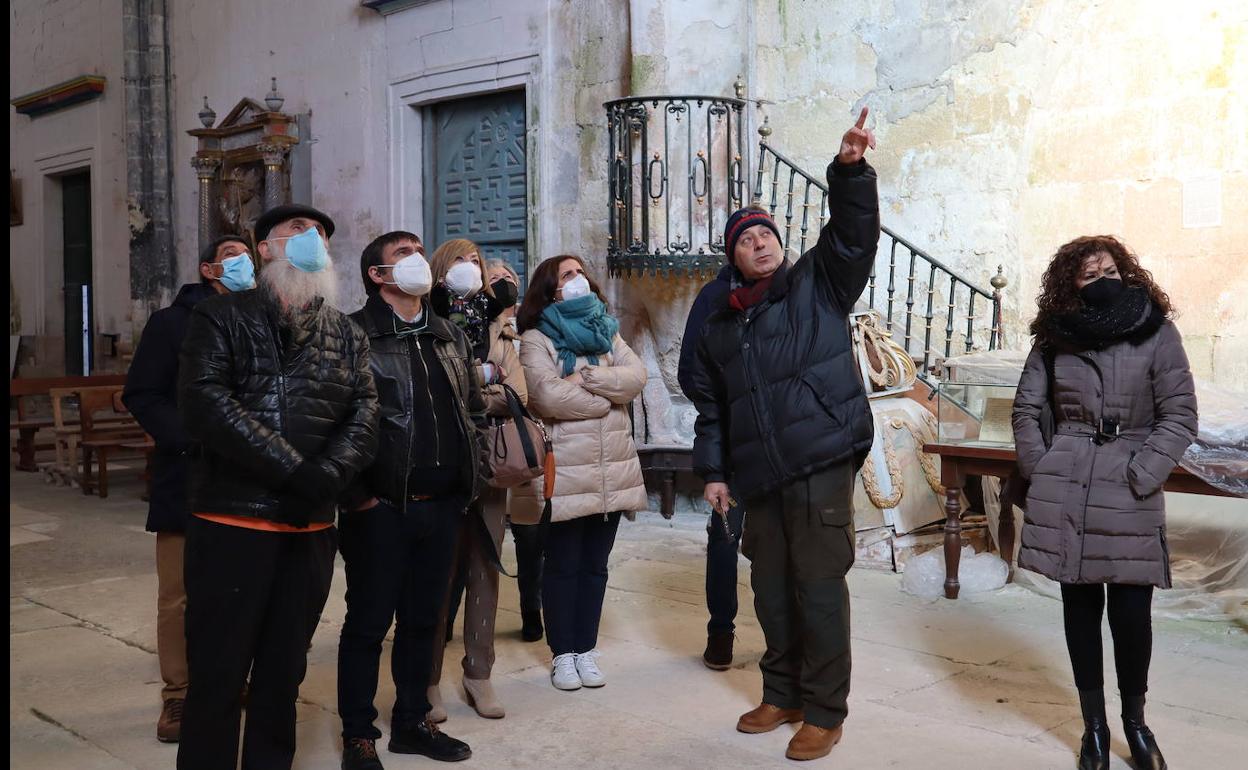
[(1094, 750), (1144, 751)]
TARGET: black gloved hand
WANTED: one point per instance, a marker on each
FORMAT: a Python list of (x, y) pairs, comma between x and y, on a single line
[(294, 510), (313, 483)]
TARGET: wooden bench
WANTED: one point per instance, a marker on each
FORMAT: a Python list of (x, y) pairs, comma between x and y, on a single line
[(100, 439), (68, 432), (23, 390)]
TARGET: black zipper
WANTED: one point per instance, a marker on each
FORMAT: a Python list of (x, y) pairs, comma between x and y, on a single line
[(1087, 488), (744, 321), (411, 390), (437, 438), (281, 377)]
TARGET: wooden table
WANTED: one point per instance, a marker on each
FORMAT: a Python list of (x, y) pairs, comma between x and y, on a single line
[(957, 461)]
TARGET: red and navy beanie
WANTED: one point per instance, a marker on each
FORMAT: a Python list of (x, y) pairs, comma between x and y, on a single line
[(742, 220)]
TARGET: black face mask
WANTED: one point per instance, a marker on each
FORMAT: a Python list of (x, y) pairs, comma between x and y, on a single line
[(505, 292), (1102, 292)]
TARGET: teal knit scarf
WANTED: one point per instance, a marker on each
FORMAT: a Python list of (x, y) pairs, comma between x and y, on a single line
[(578, 327)]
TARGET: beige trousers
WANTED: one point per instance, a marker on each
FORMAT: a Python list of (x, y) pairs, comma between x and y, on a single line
[(171, 614), (480, 604)]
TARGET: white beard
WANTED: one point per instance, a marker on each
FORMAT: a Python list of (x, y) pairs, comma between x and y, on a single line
[(293, 288)]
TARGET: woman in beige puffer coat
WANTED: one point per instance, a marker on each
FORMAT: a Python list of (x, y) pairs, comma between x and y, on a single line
[(1110, 366), (581, 377)]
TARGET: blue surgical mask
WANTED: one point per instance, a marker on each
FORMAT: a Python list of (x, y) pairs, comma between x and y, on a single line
[(238, 273), (306, 251)]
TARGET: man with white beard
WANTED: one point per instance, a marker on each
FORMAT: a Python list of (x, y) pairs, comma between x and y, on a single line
[(275, 387)]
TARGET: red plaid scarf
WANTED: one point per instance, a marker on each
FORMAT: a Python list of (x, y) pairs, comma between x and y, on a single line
[(746, 297)]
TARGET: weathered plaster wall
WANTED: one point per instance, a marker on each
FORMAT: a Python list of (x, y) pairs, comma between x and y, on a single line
[(329, 60), (677, 48), (1008, 127), (50, 42)]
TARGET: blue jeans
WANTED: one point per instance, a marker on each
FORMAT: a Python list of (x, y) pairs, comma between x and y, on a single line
[(721, 569)]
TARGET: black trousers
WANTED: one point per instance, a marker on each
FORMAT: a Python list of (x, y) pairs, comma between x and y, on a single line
[(1130, 623), (574, 581), (800, 542), (252, 599), (530, 544), (398, 570), (722, 542)]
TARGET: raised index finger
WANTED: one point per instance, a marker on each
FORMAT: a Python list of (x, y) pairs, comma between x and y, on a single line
[(862, 119)]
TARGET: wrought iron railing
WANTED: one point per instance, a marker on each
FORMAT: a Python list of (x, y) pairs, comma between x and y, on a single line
[(677, 168), (946, 300)]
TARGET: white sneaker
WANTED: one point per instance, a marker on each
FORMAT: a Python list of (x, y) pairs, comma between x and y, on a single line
[(587, 669), (563, 672)]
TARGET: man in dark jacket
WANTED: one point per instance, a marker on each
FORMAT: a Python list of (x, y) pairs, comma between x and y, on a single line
[(783, 418), (723, 532), (151, 396), (403, 515), (275, 387)]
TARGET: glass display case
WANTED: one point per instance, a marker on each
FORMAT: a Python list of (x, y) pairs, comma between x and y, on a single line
[(974, 414)]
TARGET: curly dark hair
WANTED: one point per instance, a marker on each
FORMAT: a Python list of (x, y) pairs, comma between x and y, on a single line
[(1058, 295)]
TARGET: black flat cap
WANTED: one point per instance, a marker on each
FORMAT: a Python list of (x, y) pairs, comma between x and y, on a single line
[(275, 216)]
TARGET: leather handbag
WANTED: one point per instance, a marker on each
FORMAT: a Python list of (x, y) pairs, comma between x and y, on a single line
[(520, 447)]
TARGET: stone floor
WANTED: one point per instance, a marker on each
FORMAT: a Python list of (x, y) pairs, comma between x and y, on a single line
[(937, 684)]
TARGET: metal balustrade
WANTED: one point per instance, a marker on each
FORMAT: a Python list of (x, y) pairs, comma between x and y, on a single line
[(676, 170)]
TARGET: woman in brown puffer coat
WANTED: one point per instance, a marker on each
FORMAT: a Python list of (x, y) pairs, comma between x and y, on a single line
[(1110, 366), (582, 377)]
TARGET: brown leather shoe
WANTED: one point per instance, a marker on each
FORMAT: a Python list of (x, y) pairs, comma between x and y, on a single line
[(766, 718), (812, 742), (169, 726)]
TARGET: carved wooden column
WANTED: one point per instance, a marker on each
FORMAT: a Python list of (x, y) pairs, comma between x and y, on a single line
[(206, 172), (274, 173), (243, 164), (952, 479)]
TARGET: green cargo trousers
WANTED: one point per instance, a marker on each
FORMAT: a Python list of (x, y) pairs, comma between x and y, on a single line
[(800, 542)]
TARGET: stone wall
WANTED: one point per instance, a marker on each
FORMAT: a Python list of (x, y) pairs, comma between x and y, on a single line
[(1008, 127), (329, 58), (50, 43)]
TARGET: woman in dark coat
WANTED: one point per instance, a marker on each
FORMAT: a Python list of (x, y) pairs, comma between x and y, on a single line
[(1110, 366)]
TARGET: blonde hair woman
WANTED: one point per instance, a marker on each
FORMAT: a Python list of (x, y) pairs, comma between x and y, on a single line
[(461, 292), (469, 301)]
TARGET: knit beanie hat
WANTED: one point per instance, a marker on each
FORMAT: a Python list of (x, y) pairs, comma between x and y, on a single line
[(740, 221)]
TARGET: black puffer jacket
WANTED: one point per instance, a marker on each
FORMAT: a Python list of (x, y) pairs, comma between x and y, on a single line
[(263, 394), (391, 363), (151, 395), (779, 395)]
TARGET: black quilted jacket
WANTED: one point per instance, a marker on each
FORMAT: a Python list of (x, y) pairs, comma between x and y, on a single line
[(262, 395), (778, 394)]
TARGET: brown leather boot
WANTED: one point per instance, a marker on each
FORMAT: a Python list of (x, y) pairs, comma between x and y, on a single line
[(812, 742), (766, 718), (169, 726)]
